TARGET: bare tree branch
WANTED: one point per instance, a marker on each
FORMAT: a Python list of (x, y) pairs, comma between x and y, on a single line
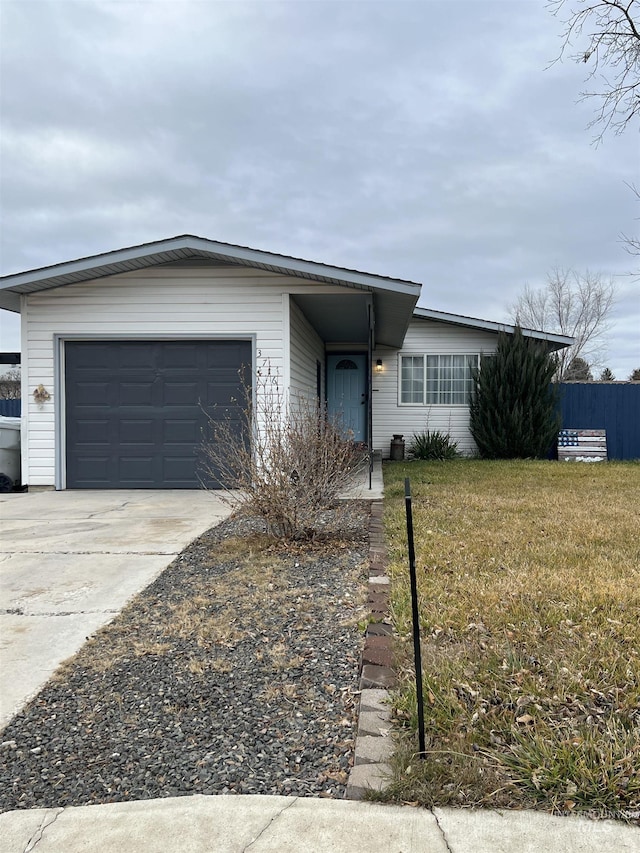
[(605, 35), (632, 244)]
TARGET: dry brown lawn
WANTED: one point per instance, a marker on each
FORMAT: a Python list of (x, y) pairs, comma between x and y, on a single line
[(529, 586)]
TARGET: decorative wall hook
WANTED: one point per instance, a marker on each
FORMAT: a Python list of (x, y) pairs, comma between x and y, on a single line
[(40, 394)]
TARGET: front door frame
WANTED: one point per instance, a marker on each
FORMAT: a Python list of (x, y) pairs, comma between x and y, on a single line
[(366, 429)]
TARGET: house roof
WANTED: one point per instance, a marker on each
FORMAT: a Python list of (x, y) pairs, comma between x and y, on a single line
[(189, 247), (395, 298), (554, 341)]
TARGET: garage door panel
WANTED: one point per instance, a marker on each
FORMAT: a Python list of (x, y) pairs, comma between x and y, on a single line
[(180, 393), (178, 470), (136, 412), (92, 393), (92, 432), (225, 394), (99, 357), (181, 432), (223, 374), (134, 355), (136, 466), (232, 356), (182, 355), (135, 394), (136, 432), (98, 468)]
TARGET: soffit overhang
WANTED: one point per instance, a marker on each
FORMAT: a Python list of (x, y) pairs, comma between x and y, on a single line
[(393, 299), (553, 341)]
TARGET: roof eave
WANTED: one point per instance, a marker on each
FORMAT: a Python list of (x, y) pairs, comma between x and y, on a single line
[(555, 341), (10, 301), (391, 332), (103, 265)]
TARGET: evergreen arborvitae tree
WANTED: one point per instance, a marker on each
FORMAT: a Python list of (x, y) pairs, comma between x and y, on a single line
[(579, 370), (513, 405)]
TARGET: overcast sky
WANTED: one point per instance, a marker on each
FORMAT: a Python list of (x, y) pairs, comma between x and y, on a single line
[(424, 140)]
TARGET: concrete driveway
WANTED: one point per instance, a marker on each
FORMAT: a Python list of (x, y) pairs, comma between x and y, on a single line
[(70, 560)]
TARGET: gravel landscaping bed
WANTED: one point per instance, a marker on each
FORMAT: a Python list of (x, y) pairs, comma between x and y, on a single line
[(236, 671)]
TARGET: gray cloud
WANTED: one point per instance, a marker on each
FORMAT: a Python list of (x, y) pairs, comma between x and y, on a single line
[(427, 140)]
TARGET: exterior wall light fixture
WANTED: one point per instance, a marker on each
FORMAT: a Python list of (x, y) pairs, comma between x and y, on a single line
[(379, 366)]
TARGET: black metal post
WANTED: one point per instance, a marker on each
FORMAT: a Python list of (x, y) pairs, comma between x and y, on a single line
[(417, 655)]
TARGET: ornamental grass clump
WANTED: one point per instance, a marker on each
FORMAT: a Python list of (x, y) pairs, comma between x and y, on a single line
[(434, 445)]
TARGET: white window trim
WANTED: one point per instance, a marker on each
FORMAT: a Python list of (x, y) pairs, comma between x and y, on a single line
[(423, 355)]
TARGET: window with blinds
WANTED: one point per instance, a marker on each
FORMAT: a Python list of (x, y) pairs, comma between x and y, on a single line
[(436, 380)]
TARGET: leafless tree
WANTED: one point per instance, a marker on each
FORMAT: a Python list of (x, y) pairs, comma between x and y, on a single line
[(573, 304), (10, 384), (605, 36)]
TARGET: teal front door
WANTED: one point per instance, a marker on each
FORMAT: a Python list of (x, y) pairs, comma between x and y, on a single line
[(347, 393)]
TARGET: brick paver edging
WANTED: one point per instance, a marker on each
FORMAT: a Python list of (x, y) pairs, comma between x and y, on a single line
[(374, 747)]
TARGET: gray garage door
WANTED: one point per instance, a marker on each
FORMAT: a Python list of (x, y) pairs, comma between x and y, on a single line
[(134, 409)]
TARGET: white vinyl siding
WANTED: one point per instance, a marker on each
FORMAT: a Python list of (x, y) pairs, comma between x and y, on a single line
[(176, 302), (424, 337), (307, 350)]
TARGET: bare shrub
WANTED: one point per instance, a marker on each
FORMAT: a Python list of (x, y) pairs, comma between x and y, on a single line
[(285, 460)]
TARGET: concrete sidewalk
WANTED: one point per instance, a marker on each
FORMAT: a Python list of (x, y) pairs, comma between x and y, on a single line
[(367, 487), (69, 562), (260, 824)]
